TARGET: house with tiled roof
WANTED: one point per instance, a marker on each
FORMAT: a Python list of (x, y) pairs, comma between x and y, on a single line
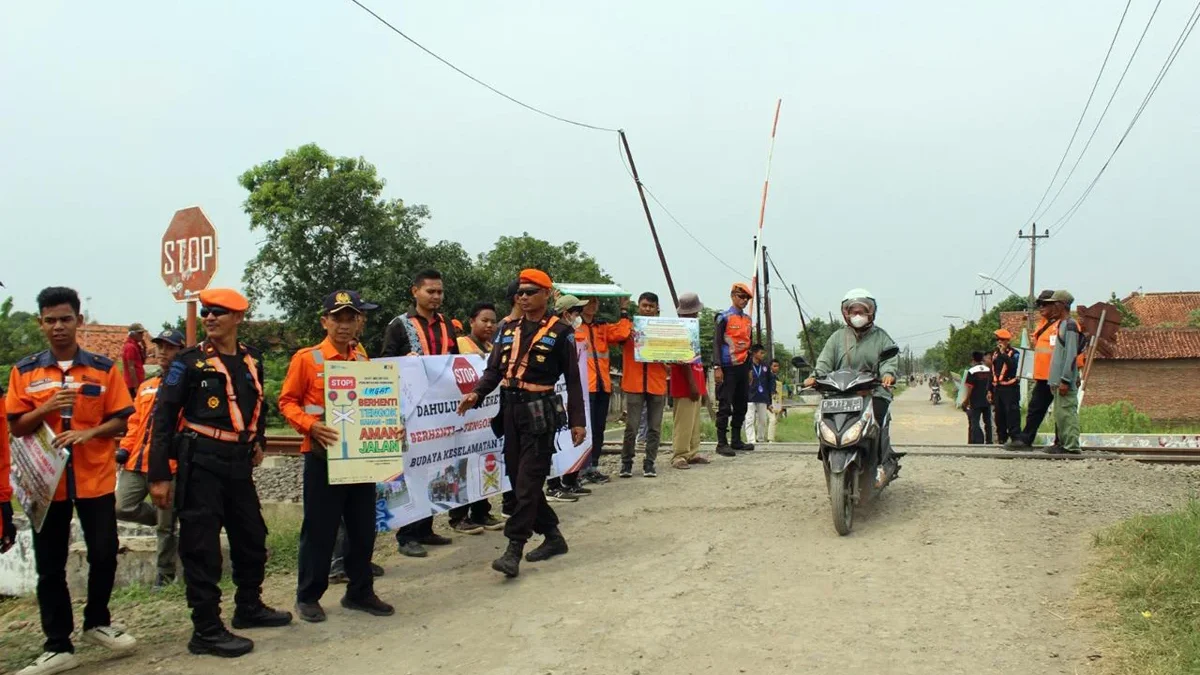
[(1155, 366)]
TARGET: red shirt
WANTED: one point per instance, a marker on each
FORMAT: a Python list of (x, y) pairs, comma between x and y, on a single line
[(133, 362), (679, 374)]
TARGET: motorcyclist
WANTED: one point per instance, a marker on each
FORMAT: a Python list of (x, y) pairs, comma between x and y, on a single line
[(858, 346)]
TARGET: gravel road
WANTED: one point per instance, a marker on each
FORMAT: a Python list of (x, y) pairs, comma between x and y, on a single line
[(964, 566)]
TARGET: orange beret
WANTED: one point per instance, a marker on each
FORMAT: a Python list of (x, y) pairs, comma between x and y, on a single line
[(456, 323), (1003, 334), (535, 277), (224, 297), (743, 287)]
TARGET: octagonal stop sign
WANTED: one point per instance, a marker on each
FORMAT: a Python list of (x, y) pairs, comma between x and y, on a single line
[(189, 253)]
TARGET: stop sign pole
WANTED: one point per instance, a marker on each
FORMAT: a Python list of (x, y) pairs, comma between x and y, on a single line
[(188, 259)]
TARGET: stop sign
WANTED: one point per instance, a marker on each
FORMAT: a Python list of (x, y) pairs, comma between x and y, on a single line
[(465, 375), (189, 253)]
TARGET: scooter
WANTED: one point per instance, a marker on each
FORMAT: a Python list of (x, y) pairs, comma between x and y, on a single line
[(852, 442), (936, 395)]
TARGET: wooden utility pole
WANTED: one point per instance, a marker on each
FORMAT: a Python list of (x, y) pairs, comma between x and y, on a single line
[(766, 276), (1033, 240), (662, 258), (758, 304)]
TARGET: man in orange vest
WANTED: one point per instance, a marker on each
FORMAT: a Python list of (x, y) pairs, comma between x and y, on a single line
[(82, 397), (424, 332), (1040, 398), (645, 387), (1064, 375), (8, 531), (302, 404), (134, 483), (217, 388), (597, 335), (1006, 373), (731, 349)]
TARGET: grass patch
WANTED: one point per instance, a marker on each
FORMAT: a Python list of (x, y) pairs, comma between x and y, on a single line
[(1149, 580), (797, 427), (283, 543), (1116, 418)]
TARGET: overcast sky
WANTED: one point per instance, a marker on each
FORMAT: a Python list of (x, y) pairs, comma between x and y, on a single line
[(914, 142)]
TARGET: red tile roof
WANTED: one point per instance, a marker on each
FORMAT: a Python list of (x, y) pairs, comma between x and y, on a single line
[(1014, 322), (1156, 309), (103, 339), (1157, 343)]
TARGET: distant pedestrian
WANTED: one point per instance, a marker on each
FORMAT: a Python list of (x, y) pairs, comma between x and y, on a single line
[(731, 352), (976, 402), (1006, 387), (762, 389), (645, 388), (1064, 374), (133, 358), (688, 384), (777, 410)]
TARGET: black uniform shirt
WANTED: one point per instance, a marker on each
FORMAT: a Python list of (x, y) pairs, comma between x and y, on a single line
[(396, 342), (553, 355)]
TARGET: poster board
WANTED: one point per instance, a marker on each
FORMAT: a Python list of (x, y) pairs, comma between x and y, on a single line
[(592, 290), (665, 340), (362, 402), (37, 467)]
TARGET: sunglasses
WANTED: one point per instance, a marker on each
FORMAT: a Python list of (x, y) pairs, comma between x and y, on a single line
[(526, 292), (214, 311), (742, 296)]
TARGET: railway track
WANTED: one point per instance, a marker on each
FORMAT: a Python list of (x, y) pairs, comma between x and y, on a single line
[(290, 446)]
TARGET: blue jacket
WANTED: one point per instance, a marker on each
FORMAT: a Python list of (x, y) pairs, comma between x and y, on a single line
[(762, 382)]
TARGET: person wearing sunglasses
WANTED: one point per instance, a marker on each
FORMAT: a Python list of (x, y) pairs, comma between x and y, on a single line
[(731, 349), (526, 363), (211, 418)]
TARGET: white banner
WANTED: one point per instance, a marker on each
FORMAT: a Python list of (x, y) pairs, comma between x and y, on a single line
[(449, 460)]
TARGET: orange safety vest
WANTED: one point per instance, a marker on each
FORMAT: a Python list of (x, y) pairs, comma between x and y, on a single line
[(425, 349), (641, 378), (737, 337), (516, 370), (235, 412), (597, 337), (1045, 337), (467, 346)]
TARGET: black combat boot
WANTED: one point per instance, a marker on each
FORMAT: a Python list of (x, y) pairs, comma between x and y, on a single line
[(553, 545), (737, 444), (723, 448), (220, 642), (509, 564), (260, 616)]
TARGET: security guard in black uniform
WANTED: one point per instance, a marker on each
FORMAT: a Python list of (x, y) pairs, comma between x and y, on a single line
[(526, 363), (210, 416)]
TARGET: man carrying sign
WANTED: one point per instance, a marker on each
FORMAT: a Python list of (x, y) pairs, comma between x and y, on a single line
[(526, 363), (302, 404)]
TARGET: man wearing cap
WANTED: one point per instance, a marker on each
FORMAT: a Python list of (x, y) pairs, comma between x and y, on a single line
[(133, 484), (527, 362), (302, 404), (211, 417), (133, 358), (596, 336), (1064, 373), (1042, 395), (1006, 385), (731, 349), (567, 488)]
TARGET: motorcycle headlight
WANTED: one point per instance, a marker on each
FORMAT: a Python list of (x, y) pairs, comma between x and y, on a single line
[(854, 433), (827, 433)]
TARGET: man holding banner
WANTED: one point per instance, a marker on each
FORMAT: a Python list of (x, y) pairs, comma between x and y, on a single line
[(528, 360), (302, 404)]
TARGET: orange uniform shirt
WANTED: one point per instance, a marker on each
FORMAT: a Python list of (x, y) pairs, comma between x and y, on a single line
[(596, 338), (5, 462), (141, 425), (641, 378), (302, 398), (102, 396)]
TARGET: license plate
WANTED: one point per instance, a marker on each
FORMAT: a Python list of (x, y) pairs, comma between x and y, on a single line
[(842, 405)]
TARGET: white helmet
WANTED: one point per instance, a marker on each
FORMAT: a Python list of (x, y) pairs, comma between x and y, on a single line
[(859, 296)]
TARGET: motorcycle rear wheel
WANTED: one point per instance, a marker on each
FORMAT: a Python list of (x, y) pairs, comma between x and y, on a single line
[(841, 500)]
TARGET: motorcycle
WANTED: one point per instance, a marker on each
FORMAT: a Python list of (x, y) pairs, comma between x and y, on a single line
[(852, 442), (936, 395)]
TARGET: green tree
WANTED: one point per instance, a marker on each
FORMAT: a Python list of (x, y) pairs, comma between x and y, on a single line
[(1128, 318), (19, 337), (934, 359), (1194, 319), (819, 331)]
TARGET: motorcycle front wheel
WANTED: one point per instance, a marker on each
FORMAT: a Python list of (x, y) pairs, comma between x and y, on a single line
[(841, 499)]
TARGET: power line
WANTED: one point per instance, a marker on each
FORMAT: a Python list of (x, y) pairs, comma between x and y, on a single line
[(1082, 114), (474, 79), (1189, 26), (1104, 112)]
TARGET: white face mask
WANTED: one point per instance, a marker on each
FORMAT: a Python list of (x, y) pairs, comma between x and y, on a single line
[(577, 322), (859, 320)]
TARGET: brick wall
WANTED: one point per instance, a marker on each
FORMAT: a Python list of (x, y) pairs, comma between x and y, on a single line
[(1166, 390)]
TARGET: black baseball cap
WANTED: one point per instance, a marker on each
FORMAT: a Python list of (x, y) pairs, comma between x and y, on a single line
[(339, 300), (171, 337)]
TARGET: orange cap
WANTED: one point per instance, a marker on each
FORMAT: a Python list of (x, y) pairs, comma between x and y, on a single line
[(535, 277), (1003, 334), (224, 297), (456, 323), (743, 287)]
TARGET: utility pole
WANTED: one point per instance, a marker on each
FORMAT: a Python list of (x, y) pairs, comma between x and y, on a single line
[(662, 258), (1033, 240), (766, 277), (758, 305), (983, 296)]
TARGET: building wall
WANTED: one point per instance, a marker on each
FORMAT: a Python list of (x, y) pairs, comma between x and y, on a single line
[(1166, 390)]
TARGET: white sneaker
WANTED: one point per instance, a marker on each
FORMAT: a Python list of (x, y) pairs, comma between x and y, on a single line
[(110, 638), (51, 662)]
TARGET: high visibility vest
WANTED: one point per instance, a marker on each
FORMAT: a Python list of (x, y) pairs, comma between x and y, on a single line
[(1043, 351), (737, 337)]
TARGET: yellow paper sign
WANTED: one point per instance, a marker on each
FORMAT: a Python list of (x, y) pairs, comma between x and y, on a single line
[(362, 402)]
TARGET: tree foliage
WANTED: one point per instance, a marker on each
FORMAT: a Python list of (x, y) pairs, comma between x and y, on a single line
[(19, 337), (1194, 319), (1128, 318), (819, 331)]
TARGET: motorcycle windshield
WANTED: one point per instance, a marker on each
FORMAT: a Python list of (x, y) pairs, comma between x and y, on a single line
[(846, 379)]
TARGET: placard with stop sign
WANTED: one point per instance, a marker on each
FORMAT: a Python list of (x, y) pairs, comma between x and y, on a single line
[(363, 406), (465, 375), (188, 254)]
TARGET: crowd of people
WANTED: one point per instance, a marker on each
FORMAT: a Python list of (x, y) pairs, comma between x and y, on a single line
[(191, 436)]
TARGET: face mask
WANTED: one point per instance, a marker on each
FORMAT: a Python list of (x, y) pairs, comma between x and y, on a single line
[(577, 322), (859, 320)]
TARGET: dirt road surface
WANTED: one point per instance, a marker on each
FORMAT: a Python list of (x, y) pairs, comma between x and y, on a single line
[(964, 566)]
